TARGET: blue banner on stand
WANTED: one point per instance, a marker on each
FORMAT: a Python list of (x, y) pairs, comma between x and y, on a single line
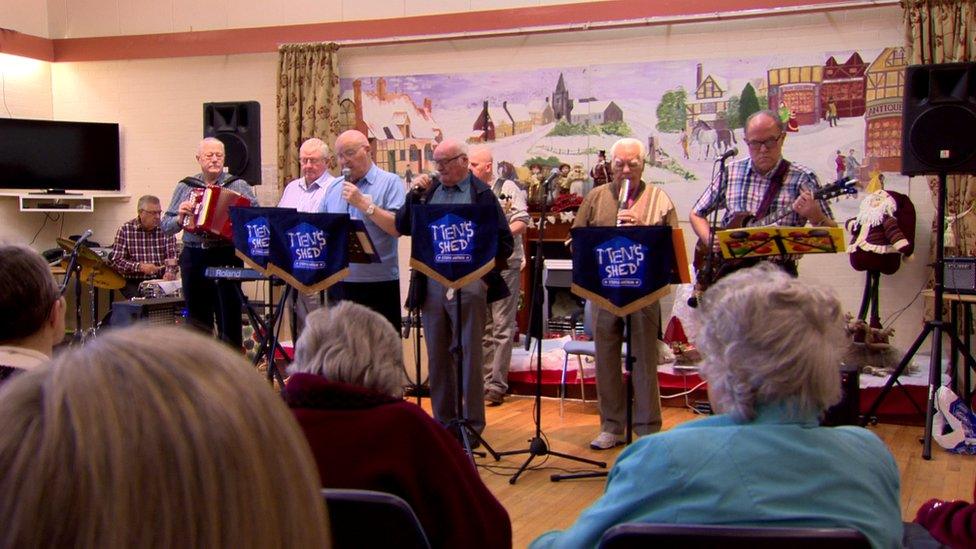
[(622, 269), (252, 235), (310, 251), (454, 244)]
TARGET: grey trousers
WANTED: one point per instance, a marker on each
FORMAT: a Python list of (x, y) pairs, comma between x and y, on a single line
[(610, 388), (301, 304), (440, 321), (499, 331)]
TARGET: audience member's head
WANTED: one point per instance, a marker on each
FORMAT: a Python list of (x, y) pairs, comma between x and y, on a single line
[(352, 344), (153, 437), (769, 338), (31, 308)]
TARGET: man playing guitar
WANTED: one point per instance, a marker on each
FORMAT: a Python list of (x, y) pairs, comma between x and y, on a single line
[(763, 183)]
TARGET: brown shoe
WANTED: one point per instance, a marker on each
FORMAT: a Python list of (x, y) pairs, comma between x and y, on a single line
[(494, 398)]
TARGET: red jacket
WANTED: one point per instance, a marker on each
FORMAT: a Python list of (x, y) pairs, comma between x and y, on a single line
[(951, 522), (365, 440)]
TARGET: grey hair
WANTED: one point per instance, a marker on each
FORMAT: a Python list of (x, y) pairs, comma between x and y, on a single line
[(768, 338), (628, 142), (350, 343), (210, 140), (146, 199), (769, 113), (316, 144)]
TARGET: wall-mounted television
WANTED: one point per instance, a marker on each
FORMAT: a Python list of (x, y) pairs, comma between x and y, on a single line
[(56, 155)]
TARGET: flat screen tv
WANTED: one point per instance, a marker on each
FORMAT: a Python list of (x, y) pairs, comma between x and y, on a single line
[(59, 156)]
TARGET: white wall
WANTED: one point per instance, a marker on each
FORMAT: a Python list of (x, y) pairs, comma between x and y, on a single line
[(159, 104), (26, 16)]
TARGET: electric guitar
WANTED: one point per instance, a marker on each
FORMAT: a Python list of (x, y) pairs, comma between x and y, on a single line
[(710, 271)]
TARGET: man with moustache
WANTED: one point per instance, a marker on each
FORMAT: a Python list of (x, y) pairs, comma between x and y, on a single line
[(764, 183), (374, 196), (142, 250), (208, 300), (457, 185), (644, 204), (500, 323), (304, 194)]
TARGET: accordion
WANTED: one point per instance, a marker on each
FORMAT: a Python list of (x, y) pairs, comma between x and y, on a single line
[(211, 211)]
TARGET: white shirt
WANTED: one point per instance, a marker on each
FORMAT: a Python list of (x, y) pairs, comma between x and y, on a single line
[(305, 197), (21, 357)]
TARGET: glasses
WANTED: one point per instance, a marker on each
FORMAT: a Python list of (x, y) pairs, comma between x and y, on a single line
[(154, 213), (755, 144), (348, 154), (212, 155), (311, 160), (445, 161)]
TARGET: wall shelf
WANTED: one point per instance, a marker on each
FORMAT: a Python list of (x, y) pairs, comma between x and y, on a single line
[(76, 203)]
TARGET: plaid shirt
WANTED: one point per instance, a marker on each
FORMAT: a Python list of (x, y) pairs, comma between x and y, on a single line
[(135, 245), (747, 187)]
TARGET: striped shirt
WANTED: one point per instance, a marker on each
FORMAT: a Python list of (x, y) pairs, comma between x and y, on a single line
[(135, 245), (747, 187)]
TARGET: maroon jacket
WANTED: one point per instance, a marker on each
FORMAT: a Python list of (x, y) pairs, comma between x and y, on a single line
[(951, 522), (365, 440)]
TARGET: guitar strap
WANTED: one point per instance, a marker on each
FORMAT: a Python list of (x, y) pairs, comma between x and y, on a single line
[(775, 184)]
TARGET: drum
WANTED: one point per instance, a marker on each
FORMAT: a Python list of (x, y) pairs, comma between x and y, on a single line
[(212, 211)]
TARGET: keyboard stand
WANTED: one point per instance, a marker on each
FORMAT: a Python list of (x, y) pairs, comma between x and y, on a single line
[(267, 330)]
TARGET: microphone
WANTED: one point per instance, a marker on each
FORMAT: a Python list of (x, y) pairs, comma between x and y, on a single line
[(728, 154), (622, 197), (84, 236), (419, 192), (552, 177), (345, 174)]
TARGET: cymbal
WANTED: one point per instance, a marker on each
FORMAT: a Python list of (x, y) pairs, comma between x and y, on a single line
[(94, 269)]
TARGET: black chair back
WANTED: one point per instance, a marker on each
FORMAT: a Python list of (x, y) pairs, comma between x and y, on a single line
[(692, 536), (364, 519)]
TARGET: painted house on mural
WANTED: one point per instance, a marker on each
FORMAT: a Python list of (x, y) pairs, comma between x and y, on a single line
[(595, 113), (402, 134), (541, 112), (799, 89), (483, 128), (885, 78), (513, 119), (711, 102), (562, 105), (844, 84)]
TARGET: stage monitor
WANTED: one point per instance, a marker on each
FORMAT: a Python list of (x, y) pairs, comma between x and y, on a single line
[(58, 155)]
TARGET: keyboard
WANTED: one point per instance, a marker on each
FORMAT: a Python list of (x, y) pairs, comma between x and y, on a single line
[(233, 273)]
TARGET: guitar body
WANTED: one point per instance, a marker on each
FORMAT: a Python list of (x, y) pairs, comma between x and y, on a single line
[(709, 271)]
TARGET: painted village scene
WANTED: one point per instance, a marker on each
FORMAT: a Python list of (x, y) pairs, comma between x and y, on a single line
[(842, 109)]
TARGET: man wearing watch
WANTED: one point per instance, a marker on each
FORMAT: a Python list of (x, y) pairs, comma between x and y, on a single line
[(373, 195)]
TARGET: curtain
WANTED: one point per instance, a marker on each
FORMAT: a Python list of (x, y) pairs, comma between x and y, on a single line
[(944, 31), (308, 101)]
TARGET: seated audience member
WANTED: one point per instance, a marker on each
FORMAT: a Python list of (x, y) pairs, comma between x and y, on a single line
[(153, 438), (772, 348), (142, 249), (31, 310), (345, 390), (950, 522)]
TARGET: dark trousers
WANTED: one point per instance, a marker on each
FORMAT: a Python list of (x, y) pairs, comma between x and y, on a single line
[(209, 300), (382, 297)]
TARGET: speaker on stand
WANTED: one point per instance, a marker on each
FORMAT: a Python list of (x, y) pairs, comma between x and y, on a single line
[(238, 126), (938, 138)]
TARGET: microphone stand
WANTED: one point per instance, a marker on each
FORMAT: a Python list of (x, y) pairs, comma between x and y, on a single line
[(537, 445)]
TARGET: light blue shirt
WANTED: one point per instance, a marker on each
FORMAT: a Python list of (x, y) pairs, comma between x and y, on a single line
[(387, 191), (772, 471), (306, 197)]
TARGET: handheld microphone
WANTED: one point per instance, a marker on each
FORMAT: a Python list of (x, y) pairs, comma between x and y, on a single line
[(345, 174), (622, 197), (419, 192), (728, 154)]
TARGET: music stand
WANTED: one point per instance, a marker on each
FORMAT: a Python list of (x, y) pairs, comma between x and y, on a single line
[(594, 289), (937, 327), (413, 322)]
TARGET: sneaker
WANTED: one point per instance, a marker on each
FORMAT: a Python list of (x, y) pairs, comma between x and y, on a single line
[(606, 440), (494, 397)]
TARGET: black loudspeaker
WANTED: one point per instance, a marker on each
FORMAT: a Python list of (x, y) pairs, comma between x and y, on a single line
[(939, 118), (959, 275), (238, 126), (846, 411)]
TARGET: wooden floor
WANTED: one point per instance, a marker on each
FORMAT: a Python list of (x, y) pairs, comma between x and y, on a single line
[(537, 505)]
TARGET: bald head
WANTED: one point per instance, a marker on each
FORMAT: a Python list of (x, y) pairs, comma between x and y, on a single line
[(480, 162), (352, 148), (451, 159)]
